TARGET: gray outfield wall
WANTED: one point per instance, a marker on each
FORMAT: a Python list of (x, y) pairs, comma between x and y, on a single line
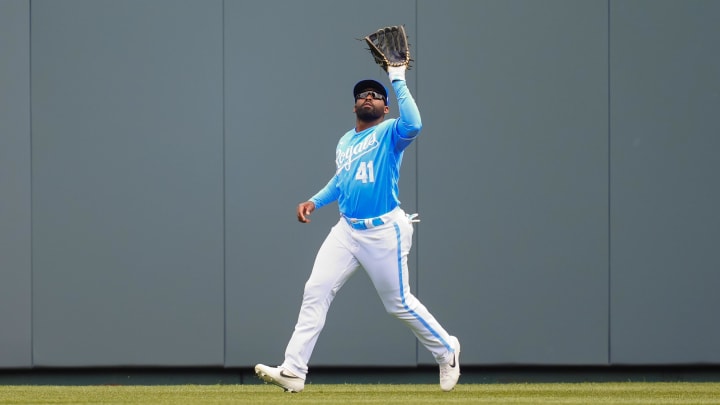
[(152, 155)]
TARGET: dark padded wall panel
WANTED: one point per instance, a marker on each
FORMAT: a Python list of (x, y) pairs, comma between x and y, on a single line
[(665, 98), (512, 178), (127, 182), (15, 275), (284, 115), (152, 155)]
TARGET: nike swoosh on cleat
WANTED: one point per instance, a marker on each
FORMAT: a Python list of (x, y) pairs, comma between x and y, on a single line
[(453, 362), (282, 373)]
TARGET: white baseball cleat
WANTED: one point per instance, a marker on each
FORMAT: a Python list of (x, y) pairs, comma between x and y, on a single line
[(450, 372), (280, 377)]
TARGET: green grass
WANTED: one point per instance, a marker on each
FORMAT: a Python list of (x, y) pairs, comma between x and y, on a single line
[(347, 394)]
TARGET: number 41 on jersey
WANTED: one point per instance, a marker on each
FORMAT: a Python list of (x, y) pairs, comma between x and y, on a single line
[(365, 172)]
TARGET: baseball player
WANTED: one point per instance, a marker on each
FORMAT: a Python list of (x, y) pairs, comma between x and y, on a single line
[(373, 233)]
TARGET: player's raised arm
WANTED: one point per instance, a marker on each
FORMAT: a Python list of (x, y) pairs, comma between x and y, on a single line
[(408, 124), (390, 49)]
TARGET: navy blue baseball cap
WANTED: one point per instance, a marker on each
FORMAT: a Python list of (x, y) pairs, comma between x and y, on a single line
[(363, 85)]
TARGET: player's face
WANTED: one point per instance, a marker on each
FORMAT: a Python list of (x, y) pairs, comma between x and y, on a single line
[(371, 107)]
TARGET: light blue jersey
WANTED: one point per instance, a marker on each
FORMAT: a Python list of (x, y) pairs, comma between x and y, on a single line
[(365, 184)]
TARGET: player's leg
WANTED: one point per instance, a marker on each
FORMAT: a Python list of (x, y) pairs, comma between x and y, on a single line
[(383, 253), (385, 260), (334, 264)]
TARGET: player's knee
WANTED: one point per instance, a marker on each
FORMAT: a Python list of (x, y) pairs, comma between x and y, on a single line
[(318, 294)]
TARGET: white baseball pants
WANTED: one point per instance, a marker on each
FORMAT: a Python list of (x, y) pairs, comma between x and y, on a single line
[(382, 251)]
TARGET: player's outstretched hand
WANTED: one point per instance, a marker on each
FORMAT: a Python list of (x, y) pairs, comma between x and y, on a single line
[(304, 210)]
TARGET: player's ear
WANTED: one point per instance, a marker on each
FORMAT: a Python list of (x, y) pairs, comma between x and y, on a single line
[(387, 109)]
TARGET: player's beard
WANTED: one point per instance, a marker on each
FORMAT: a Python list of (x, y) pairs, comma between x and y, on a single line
[(369, 114)]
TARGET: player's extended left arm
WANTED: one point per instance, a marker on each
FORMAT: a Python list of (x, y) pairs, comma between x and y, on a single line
[(409, 124)]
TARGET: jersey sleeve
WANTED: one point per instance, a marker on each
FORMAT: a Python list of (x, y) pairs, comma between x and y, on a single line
[(409, 124), (327, 194)]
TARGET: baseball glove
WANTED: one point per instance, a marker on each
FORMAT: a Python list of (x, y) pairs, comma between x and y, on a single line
[(389, 47)]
